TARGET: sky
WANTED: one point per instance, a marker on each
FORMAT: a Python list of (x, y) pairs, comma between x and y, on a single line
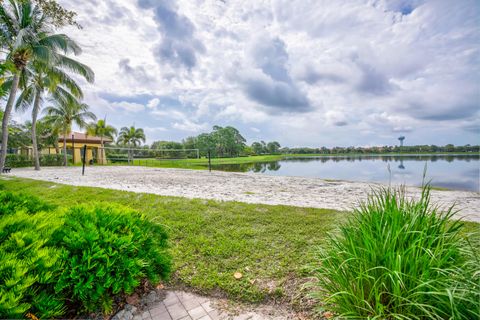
[(303, 73)]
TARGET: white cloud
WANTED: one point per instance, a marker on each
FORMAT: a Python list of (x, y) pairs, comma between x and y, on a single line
[(128, 106), (152, 104), (358, 71), (154, 129), (190, 126)]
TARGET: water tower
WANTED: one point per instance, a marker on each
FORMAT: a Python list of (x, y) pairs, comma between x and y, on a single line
[(401, 140)]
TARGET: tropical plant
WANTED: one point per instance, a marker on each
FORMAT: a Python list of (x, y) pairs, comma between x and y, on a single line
[(400, 259), (102, 130), (47, 135), (108, 251), (39, 78), (25, 34), (29, 267), (131, 137), (65, 112), (11, 203), (77, 259)]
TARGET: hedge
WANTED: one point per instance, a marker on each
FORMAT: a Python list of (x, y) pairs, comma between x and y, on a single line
[(46, 160)]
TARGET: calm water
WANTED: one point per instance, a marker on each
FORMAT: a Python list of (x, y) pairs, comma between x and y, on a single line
[(460, 172)]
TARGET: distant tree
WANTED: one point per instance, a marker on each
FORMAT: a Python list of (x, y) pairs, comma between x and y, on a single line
[(167, 145), (190, 143), (103, 130), (228, 141), (247, 150), (206, 143), (19, 135), (257, 147), (131, 137), (63, 114), (273, 147), (449, 148), (176, 148), (47, 135)]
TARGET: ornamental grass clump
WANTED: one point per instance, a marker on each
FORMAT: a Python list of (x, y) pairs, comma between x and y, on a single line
[(397, 258)]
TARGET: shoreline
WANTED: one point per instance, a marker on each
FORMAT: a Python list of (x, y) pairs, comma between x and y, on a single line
[(242, 187)]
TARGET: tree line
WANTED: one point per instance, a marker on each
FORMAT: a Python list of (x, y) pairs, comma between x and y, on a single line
[(228, 142), (383, 149)]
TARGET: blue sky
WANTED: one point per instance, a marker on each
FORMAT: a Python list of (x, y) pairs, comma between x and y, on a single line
[(304, 73)]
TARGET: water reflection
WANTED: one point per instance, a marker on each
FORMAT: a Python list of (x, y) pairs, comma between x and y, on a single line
[(257, 167), (448, 171)]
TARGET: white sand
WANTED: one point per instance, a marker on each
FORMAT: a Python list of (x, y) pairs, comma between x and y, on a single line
[(244, 187)]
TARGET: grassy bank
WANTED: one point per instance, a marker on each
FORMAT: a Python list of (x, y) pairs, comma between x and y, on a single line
[(202, 163), (269, 245)]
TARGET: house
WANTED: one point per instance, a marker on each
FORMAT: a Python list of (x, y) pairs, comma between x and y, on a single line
[(76, 141)]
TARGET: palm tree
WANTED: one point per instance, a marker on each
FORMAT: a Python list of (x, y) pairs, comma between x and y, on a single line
[(101, 129), (25, 33), (131, 137), (39, 78), (63, 114)]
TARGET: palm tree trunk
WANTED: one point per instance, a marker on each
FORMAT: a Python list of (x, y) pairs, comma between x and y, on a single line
[(6, 118), (36, 106), (65, 148)]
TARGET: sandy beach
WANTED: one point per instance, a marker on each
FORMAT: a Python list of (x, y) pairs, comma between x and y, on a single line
[(244, 187)]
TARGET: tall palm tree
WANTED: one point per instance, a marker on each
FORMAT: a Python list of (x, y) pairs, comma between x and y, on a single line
[(40, 78), (25, 34), (131, 137), (64, 113), (101, 129)]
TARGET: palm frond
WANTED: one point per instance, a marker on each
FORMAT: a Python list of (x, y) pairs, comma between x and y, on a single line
[(57, 78), (61, 42), (76, 67), (25, 99)]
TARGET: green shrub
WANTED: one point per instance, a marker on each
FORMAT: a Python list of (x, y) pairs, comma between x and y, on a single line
[(117, 157), (18, 161), (11, 203), (81, 258), (400, 259), (29, 268), (108, 251), (52, 159)]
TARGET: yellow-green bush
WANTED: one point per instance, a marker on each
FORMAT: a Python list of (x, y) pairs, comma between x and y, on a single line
[(29, 268)]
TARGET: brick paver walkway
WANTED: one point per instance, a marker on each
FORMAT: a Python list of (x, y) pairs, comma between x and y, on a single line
[(179, 305)]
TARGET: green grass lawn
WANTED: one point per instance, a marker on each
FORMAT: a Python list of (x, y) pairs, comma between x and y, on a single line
[(202, 163), (211, 240)]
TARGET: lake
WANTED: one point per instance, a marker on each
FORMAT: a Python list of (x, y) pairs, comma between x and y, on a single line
[(459, 172)]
